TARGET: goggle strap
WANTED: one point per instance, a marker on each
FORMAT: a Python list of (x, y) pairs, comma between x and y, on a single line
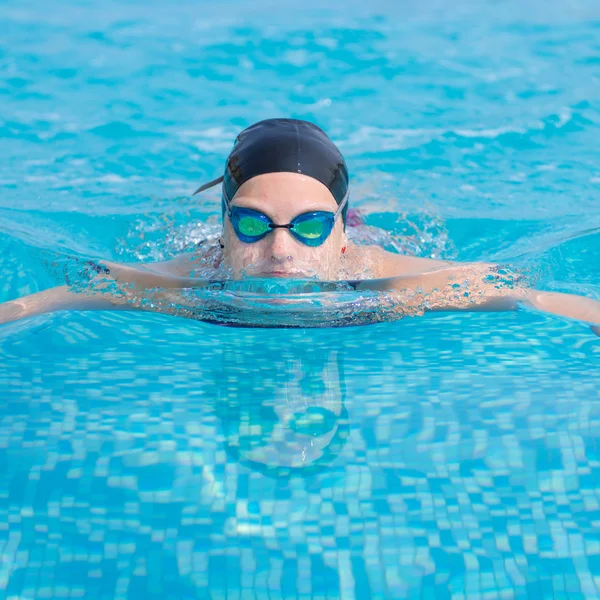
[(341, 205)]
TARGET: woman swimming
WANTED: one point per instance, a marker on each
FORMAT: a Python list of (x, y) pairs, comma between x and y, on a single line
[(284, 203)]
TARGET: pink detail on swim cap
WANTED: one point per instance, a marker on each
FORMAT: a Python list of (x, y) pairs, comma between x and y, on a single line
[(353, 218)]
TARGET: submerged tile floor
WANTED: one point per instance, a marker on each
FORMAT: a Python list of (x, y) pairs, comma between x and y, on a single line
[(154, 476)]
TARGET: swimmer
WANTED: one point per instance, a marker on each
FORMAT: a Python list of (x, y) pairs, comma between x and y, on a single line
[(285, 196)]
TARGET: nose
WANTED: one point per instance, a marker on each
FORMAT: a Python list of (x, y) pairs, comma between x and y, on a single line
[(281, 245)]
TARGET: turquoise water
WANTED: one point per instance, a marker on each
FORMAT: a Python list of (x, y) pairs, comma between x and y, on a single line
[(447, 456)]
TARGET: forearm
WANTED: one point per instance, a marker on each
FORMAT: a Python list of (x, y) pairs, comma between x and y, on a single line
[(491, 293), (54, 299), (462, 287), (115, 287), (565, 305), (481, 286), (570, 306)]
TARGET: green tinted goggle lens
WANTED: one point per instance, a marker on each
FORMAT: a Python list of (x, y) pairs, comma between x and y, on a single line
[(311, 229), (252, 227)]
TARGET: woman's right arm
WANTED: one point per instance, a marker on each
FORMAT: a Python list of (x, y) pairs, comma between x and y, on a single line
[(57, 298), (129, 280)]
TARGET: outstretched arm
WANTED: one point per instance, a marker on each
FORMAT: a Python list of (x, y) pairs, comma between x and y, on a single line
[(486, 287), (54, 299), (566, 305), (130, 281)]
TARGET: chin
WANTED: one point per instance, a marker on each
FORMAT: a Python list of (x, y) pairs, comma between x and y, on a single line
[(293, 269)]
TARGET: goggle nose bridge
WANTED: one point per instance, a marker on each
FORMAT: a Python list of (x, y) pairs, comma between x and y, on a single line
[(287, 226)]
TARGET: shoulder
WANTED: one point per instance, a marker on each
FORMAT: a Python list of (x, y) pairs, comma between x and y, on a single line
[(180, 266), (184, 265), (389, 264)]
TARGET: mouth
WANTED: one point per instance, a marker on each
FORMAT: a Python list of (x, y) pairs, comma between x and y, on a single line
[(281, 273), (268, 271)]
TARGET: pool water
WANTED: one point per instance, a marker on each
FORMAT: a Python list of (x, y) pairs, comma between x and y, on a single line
[(445, 456)]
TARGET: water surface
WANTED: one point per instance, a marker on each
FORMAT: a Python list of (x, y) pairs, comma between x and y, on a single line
[(445, 456)]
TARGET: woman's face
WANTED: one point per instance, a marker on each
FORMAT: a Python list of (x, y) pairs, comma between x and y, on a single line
[(282, 197)]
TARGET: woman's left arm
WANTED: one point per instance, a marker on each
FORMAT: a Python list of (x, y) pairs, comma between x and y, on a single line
[(483, 287), (565, 305)]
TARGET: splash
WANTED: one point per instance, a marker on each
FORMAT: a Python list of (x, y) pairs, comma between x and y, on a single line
[(162, 237), (210, 294), (297, 303), (421, 234)]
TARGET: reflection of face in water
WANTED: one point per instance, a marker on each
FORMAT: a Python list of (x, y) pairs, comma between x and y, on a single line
[(281, 401)]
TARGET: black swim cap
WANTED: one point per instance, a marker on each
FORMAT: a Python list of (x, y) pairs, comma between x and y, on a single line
[(284, 146)]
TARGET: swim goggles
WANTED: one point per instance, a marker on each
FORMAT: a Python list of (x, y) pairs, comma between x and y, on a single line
[(250, 226), (311, 228)]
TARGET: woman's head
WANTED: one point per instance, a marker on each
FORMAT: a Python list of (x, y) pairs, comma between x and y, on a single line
[(285, 192), (280, 198)]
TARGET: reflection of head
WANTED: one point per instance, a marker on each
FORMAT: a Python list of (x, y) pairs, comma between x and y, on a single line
[(282, 409)]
